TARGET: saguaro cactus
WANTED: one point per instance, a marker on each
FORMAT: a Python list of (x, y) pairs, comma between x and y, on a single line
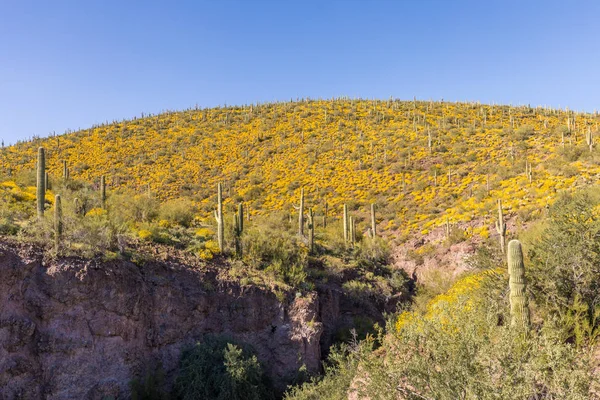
[(300, 209), (238, 228), (429, 141), (373, 222), (345, 221), (326, 209), (589, 139), (311, 231), (65, 170), (352, 225), (47, 180), (41, 181), (103, 192), (501, 226), (519, 310), (240, 214), (219, 219), (58, 222)]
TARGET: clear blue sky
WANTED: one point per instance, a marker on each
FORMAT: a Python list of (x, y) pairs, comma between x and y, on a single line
[(72, 64)]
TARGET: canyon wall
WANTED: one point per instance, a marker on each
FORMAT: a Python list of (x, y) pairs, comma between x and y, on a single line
[(83, 329)]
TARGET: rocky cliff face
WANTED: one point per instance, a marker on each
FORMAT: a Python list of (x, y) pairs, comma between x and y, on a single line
[(82, 329)]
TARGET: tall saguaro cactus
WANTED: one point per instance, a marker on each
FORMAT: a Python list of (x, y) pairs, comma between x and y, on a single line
[(352, 226), (519, 310), (373, 221), (103, 191), (238, 228), (240, 214), (589, 139), (300, 209), (311, 231), (58, 221), (345, 220), (429, 141), (219, 219), (501, 227), (41, 181), (65, 170)]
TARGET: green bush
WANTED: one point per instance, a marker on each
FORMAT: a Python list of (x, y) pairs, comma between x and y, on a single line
[(340, 371), (372, 252), (178, 211), (220, 370), (128, 207), (269, 245), (459, 348), (565, 258)]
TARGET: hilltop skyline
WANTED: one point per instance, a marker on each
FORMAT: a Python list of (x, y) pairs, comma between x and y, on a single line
[(69, 66)]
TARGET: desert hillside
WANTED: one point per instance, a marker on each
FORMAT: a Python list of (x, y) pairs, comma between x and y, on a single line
[(421, 162), (375, 233)]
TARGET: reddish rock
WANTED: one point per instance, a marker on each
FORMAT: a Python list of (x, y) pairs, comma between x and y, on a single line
[(82, 329)]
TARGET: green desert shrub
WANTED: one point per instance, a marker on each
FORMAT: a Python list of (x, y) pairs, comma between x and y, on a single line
[(128, 207), (459, 347), (221, 370), (372, 252), (339, 373), (565, 258), (179, 211), (269, 245)]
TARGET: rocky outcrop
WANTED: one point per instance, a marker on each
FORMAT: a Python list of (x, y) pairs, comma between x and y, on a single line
[(82, 329)]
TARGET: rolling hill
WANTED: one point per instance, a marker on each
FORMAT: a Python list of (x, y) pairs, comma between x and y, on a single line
[(423, 163)]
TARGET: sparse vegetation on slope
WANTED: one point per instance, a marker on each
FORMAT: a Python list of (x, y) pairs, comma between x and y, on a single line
[(464, 345), (420, 162)]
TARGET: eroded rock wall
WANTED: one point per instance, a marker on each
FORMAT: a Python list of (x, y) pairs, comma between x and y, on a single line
[(76, 329)]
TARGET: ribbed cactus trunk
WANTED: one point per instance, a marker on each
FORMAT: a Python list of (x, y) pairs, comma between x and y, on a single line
[(501, 227), (103, 192), (311, 232), (519, 310), (301, 214), (65, 170), (589, 139), (238, 229), (58, 222), (373, 221), (219, 219), (241, 217), (41, 181), (47, 180), (345, 221), (429, 141), (352, 226)]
